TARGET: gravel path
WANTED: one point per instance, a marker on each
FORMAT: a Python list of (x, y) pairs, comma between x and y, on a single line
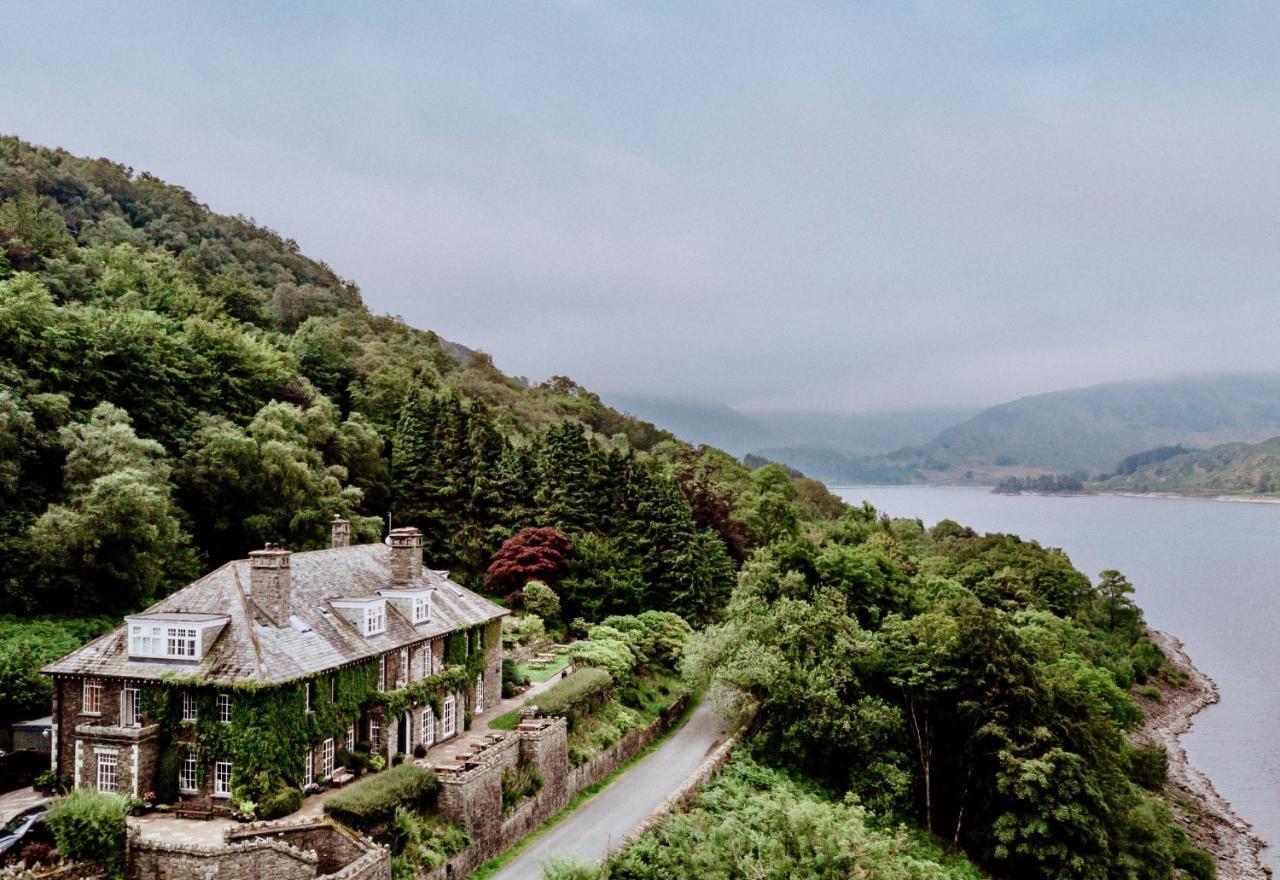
[(604, 821)]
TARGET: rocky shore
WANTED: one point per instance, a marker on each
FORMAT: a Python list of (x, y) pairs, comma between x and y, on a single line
[(1207, 817)]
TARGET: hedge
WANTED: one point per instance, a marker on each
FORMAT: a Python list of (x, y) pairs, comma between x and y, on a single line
[(90, 825), (577, 695), (280, 802), (372, 801)]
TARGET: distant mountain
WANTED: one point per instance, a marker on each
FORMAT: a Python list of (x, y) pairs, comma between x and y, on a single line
[(799, 433), (1228, 469), (1091, 429)]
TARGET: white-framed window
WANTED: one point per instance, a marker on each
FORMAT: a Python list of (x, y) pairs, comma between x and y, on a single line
[(224, 708), (402, 677), (449, 717), (309, 767), (480, 638), (421, 609), (382, 672), (189, 773), (326, 758), (375, 734), (351, 738), (307, 688), (222, 779), (146, 640), (333, 689), (375, 619), (427, 726), (107, 770), (418, 664), (431, 658), (129, 707), (181, 642), (189, 707), (479, 701), (91, 698)]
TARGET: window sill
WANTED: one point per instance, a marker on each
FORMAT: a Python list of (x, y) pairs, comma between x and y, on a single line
[(91, 714)]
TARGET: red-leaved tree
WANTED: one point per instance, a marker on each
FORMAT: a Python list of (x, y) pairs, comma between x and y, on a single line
[(529, 554)]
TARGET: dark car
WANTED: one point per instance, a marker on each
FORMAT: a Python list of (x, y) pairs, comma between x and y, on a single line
[(27, 826)]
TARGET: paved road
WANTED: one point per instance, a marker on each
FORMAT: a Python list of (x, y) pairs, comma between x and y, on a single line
[(601, 823)]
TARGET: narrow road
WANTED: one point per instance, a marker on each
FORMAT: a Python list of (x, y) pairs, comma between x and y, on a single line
[(601, 823)]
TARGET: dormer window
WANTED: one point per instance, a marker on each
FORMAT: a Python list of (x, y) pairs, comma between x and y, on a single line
[(375, 619), (421, 609), (172, 636)]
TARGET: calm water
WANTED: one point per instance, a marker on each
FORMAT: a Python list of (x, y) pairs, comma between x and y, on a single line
[(1206, 571)]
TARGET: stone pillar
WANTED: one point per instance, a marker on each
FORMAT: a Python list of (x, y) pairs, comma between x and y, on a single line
[(406, 554)]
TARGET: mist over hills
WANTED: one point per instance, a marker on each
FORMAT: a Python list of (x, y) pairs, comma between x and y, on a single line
[(1091, 429), (1086, 431), (846, 434)]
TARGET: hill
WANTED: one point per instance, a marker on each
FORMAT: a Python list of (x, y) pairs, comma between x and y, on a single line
[(1227, 469), (799, 434), (1090, 429)]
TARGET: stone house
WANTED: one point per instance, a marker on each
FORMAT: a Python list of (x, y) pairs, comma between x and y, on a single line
[(268, 667)]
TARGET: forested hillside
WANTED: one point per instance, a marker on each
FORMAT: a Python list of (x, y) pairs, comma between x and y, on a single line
[(1090, 429), (1228, 469), (178, 387)]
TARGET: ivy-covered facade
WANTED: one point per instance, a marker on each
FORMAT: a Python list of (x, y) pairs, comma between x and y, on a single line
[(264, 674)]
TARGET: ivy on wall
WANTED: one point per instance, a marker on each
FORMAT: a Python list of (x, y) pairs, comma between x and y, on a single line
[(271, 729)]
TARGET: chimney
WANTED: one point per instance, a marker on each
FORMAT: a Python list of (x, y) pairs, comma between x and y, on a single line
[(341, 532), (269, 582), (406, 554)]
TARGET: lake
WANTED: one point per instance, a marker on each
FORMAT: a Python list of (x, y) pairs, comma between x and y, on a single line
[(1205, 571)]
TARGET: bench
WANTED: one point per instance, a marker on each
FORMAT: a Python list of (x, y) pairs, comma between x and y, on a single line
[(341, 776), (193, 813)]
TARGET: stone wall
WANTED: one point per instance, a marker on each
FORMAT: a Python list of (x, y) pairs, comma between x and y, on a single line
[(307, 849), (259, 859), (543, 742)]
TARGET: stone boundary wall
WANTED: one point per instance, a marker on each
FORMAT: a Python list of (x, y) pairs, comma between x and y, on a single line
[(300, 849), (552, 798), (258, 859)]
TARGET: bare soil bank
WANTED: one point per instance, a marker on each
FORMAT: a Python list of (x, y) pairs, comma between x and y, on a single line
[(1207, 817)]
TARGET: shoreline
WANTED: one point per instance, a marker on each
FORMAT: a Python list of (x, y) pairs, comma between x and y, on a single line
[(1208, 818)]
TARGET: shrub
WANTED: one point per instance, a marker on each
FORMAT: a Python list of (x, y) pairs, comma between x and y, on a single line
[(281, 802), (90, 825), (424, 841), (1149, 766), (518, 785), (53, 782), (37, 852), (372, 801), (541, 600), (512, 678), (1198, 864), (397, 759), (357, 762), (420, 751), (577, 695)]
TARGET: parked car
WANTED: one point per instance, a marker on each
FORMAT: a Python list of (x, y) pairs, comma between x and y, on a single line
[(27, 826)]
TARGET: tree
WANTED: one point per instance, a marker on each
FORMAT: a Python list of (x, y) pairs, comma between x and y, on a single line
[(1114, 591), (541, 600), (115, 543), (531, 553)]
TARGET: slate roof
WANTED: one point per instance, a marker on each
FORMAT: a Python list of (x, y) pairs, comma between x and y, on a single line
[(251, 648)]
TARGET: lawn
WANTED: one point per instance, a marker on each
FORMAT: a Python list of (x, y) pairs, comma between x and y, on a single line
[(553, 668)]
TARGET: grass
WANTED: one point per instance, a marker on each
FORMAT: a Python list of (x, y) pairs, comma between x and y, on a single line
[(561, 661), (506, 721), (491, 867)]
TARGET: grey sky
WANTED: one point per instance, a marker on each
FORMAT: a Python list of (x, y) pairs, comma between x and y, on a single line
[(844, 205)]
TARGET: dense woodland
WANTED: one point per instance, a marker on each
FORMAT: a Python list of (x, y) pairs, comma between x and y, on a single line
[(177, 387)]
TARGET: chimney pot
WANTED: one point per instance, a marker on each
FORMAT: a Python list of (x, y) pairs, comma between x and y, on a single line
[(269, 583), (406, 554)]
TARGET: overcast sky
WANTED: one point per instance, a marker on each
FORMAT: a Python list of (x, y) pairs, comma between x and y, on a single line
[(844, 205)]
